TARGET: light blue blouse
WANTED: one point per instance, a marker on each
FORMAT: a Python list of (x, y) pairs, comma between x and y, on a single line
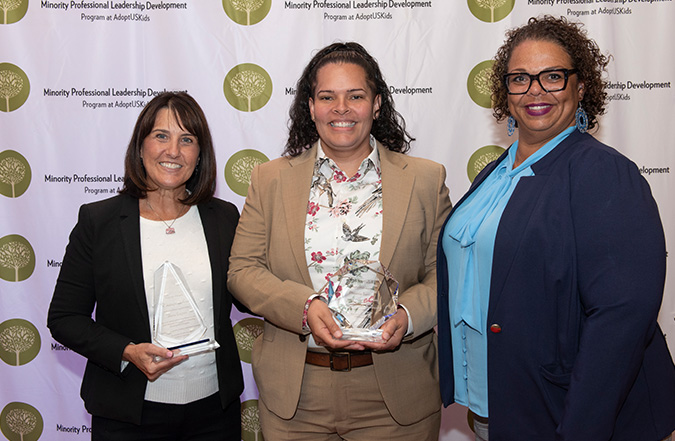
[(468, 243)]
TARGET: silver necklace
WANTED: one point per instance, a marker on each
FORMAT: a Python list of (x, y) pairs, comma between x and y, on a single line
[(169, 227)]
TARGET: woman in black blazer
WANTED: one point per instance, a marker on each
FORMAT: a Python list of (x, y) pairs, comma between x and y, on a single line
[(165, 225)]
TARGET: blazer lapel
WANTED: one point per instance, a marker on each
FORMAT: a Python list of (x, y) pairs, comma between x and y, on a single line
[(131, 240), (516, 217), (295, 185), (213, 242), (397, 188)]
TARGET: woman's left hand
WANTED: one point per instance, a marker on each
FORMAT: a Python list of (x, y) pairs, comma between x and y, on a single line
[(393, 332)]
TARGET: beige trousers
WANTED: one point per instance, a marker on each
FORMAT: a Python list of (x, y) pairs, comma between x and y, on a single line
[(336, 406)]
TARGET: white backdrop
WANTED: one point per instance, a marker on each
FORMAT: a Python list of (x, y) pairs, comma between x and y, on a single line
[(74, 75)]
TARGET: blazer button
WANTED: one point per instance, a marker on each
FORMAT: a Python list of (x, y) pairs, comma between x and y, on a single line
[(303, 337), (495, 328)]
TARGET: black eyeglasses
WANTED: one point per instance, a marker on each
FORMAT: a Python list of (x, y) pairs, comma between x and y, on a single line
[(551, 80)]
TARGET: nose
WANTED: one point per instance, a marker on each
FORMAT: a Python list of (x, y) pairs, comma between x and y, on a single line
[(173, 148), (341, 106), (536, 88)]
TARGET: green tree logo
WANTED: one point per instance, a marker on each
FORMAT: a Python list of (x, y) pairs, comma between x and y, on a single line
[(247, 87), (482, 157), (21, 422), (238, 169), (15, 174), (478, 84), (14, 87), (13, 10), (17, 258), (250, 421), (245, 333), (19, 342), (247, 12), (491, 11)]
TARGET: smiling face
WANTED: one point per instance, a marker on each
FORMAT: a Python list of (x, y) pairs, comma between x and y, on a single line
[(543, 115), (343, 107), (169, 154)]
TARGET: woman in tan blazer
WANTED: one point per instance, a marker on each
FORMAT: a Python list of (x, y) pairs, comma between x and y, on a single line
[(345, 136)]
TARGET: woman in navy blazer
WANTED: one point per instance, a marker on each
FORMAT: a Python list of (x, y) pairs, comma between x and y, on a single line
[(134, 387), (551, 268)]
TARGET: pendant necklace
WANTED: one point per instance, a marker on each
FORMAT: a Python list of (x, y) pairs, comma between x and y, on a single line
[(169, 227)]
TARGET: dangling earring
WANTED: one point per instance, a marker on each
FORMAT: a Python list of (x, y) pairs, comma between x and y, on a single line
[(581, 119), (510, 125)]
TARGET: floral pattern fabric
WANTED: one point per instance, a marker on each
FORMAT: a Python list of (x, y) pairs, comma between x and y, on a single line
[(344, 217)]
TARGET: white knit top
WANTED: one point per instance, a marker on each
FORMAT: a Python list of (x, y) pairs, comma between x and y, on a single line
[(196, 377)]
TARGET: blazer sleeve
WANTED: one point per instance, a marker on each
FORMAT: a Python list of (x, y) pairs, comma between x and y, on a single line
[(264, 283), (420, 298), (621, 271), (70, 312)]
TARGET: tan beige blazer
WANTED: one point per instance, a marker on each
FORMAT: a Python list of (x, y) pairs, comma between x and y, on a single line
[(268, 273)]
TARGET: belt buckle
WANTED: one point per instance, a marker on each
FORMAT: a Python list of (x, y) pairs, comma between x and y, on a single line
[(340, 355)]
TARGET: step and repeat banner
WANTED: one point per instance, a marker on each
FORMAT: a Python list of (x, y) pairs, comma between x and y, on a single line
[(74, 76)]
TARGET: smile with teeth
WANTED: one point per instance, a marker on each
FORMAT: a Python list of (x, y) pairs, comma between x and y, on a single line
[(170, 165), (342, 124), (538, 107)]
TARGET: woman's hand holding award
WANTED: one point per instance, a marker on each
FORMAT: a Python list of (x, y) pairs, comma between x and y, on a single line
[(362, 295)]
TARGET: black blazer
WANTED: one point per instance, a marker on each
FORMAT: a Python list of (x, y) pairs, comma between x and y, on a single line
[(102, 270)]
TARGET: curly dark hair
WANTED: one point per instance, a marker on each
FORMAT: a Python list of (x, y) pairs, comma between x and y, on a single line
[(583, 51), (184, 108), (388, 127)]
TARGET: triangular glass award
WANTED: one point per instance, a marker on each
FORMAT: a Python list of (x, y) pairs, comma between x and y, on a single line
[(177, 323)]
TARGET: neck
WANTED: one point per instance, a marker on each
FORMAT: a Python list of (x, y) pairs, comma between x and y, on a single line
[(349, 162), (163, 204), (524, 151)]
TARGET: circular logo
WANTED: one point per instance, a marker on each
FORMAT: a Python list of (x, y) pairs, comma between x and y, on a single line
[(14, 87), (478, 84), (15, 174), (17, 258), (250, 421), (491, 10), (247, 87), (12, 11), (21, 422), (19, 342), (247, 12), (245, 333), (238, 169), (482, 157)]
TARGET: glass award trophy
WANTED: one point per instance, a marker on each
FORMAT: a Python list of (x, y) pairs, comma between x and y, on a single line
[(362, 295), (177, 323)]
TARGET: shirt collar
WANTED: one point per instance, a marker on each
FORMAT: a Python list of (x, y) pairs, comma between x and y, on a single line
[(373, 157)]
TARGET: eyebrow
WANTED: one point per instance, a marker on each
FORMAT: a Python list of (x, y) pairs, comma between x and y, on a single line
[(332, 91), (521, 70), (186, 133)]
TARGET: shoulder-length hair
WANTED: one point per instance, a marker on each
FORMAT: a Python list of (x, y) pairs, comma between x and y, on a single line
[(388, 127), (189, 115), (583, 51)]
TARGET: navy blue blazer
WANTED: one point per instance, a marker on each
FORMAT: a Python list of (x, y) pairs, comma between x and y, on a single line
[(102, 268), (574, 348)]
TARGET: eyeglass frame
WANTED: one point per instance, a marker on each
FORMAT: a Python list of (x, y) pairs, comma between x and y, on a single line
[(566, 73)]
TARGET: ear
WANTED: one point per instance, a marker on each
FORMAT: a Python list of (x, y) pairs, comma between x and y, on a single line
[(376, 106), (581, 91), (311, 108)]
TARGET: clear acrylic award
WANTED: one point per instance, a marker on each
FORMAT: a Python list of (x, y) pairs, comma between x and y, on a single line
[(362, 295), (177, 323)]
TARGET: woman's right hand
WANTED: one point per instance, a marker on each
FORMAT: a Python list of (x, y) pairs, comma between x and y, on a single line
[(144, 356), (324, 329)]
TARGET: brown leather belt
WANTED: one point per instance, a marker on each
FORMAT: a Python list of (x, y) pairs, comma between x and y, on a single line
[(478, 418), (340, 361)]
